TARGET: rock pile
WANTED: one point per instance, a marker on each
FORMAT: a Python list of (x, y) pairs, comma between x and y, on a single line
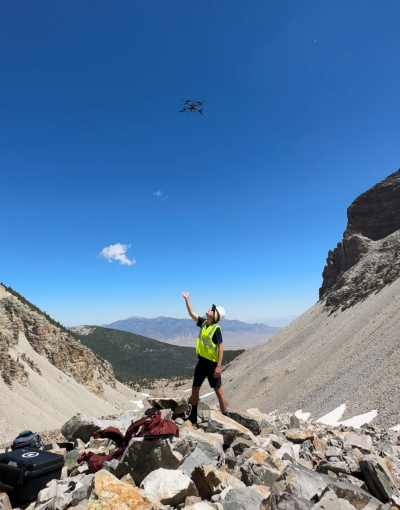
[(246, 460)]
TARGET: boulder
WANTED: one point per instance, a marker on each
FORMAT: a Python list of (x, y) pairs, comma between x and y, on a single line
[(333, 451), (330, 501), (210, 444), (319, 444), (112, 494), (259, 473), (378, 478), (253, 454), (352, 440), (117, 468), (247, 498), (53, 489), (299, 487), (143, 457), (228, 428), (82, 427), (169, 487), (71, 460), (298, 435), (252, 422), (209, 481), (286, 448), (196, 458), (240, 444), (167, 402)]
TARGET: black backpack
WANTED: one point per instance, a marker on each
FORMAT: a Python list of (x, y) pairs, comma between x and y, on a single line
[(27, 439)]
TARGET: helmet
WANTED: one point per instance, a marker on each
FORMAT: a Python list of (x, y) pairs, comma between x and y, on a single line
[(220, 315)]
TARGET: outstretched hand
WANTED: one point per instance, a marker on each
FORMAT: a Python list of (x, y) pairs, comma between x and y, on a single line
[(185, 295)]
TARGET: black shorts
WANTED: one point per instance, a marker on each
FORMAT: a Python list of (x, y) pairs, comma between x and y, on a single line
[(205, 368)]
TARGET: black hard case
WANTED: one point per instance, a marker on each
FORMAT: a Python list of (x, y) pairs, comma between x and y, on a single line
[(26, 471)]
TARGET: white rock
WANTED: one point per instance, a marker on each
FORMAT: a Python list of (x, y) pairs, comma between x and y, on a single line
[(171, 487)]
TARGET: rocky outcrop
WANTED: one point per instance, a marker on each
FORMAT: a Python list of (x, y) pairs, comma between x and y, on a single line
[(371, 242), (62, 349)]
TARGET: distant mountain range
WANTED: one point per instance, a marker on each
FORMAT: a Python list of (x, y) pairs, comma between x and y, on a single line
[(135, 356), (183, 332)]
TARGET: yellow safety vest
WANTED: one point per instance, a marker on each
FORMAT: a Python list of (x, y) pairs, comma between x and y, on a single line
[(205, 346)]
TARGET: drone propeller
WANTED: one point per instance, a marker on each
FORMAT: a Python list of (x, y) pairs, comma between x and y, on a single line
[(184, 110), (186, 101), (200, 111), (200, 103)]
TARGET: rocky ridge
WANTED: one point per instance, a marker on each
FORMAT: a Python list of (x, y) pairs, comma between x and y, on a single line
[(60, 348), (371, 242), (243, 461)]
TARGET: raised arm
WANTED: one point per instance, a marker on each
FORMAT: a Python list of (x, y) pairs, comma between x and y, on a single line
[(194, 316)]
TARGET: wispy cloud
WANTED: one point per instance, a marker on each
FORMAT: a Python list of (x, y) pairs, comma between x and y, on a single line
[(158, 193), (117, 252)]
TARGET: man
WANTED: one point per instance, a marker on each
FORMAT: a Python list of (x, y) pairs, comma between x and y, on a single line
[(210, 352)]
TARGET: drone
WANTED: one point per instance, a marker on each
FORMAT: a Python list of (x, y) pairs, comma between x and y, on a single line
[(191, 106)]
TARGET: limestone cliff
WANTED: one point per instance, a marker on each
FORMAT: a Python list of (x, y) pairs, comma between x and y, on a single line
[(372, 234), (58, 346)]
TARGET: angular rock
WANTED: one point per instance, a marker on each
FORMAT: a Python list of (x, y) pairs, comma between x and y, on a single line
[(54, 488), (71, 459), (143, 457), (335, 467), (319, 444), (240, 444), (82, 490), (253, 454), (109, 493), (378, 478), (181, 409), (210, 444), (167, 402), (195, 459), (4, 502), (352, 440), (298, 435), (209, 481), (60, 502), (229, 428), (82, 427), (286, 448), (330, 501), (117, 468), (169, 487), (247, 498), (192, 500), (333, 451), (200, 505), (254, 423), (302, 487), (259, 473)]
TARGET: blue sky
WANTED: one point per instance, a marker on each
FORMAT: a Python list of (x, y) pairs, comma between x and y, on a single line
[(302, 114)]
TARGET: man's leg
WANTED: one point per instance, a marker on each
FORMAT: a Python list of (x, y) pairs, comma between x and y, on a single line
[(221, 399), (194, 400)]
